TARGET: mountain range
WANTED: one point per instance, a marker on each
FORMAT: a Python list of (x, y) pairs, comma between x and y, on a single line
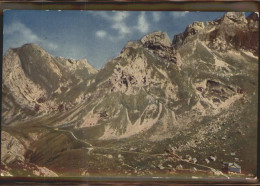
[(196, 94)]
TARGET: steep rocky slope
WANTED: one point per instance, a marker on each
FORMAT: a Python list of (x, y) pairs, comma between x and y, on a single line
[(34, 82), (197, 93), (152, 82)]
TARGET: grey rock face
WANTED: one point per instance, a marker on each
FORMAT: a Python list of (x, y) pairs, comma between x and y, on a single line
[(13, 158), (232, 31), (159, 43), (235, 16), (11, 148), (36, 82), (156, 39)]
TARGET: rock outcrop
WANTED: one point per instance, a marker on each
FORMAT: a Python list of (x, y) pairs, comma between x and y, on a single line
[(159, 43), (13, 159), (191, 30), (232, 31), (156, 39)]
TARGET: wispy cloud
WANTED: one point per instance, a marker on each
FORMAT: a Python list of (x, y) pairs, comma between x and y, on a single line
[(111, 16), (142, 23), (156, 16), (18, 34), (119, 21), (179, 14), (122, 28), (120, 16), (101, 33)]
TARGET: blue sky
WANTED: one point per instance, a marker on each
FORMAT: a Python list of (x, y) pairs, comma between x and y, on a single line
[(95, 35)]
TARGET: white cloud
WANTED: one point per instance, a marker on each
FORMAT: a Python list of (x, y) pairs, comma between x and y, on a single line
[(112, 16), (117, 22), (142, 23), (120, 16), (156, 16), (179, 14), (122, 28), (101, 33), (17, 34)]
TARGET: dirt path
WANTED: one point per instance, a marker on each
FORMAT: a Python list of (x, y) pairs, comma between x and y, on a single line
[(71, 134), (173, 155), (77, 139)]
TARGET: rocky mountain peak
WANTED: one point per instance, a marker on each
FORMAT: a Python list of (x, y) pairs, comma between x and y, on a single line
[(253, 16), (40, 79), (32, 47), (238, 17), (133, 44), (235, 31), (156, 38), (74, 64), (252, 21), (86, 64), (194, 28), (159, 44), (227, 33)]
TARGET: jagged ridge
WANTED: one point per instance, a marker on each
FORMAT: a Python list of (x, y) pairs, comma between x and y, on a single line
[(35, 82)]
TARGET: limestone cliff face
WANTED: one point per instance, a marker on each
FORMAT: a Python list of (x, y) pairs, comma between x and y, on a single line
[(232, 31), (13, 158), (159, 43), (190, 31), (34, 82), (156, 39)]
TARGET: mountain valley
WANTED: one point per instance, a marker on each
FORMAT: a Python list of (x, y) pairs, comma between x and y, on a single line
[(166, 108)]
